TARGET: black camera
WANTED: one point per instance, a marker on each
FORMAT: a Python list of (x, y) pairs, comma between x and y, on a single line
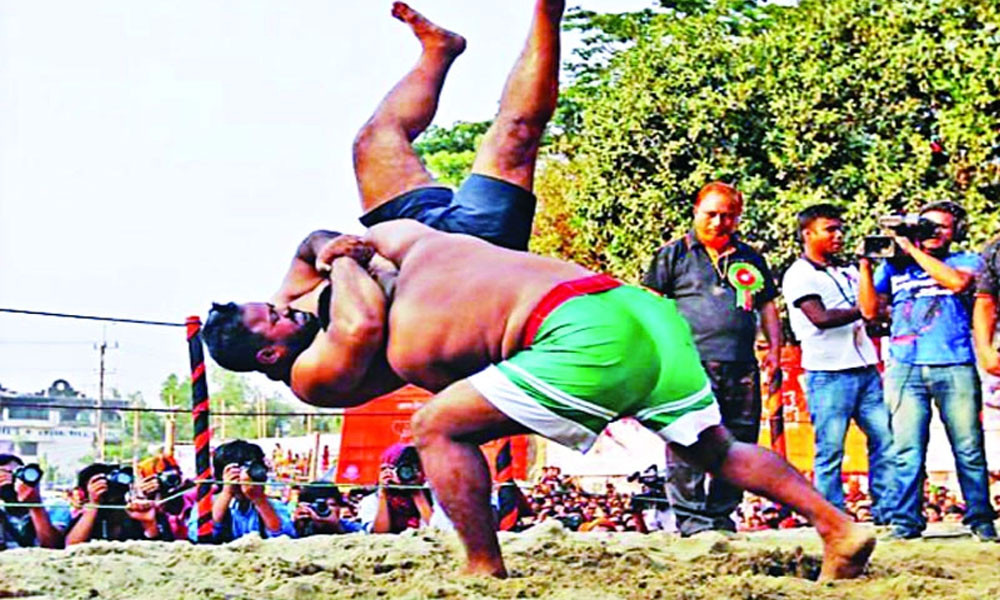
[(256, 470), (168, 480), (407, 467), (30, 474), (654, 490), (321, 508), (911, 226), (119, 479)]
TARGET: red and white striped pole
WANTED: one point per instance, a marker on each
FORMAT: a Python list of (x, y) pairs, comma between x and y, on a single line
[(202, 433)]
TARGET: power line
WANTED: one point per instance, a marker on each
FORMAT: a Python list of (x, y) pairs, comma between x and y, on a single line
[(91, 317)]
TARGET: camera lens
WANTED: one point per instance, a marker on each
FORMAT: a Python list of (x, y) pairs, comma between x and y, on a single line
[(29, 474), (169, 479), (257, 471), (406, 473)]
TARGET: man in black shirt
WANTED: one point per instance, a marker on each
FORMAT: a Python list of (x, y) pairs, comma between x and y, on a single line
[(720, 284), (24, 526)]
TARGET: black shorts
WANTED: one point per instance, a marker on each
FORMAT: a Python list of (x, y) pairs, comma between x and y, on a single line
[(492, 209)]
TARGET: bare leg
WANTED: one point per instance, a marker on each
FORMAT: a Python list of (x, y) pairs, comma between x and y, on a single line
[(847, 545), (448, 431), (385, 164), (510, 146)]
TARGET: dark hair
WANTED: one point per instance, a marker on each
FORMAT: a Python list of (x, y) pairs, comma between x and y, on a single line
[(236, 451), (321, 490), (808, 215), (229, 341), (8, 458), (84, 475), (235, 347)]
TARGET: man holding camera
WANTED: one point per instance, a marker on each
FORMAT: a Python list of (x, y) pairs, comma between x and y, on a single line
[(839, 359), (27, 526), (159, 479), (320, 511), (931, 359), (240, 505), (720, 285), (403, 500), (109, 514)]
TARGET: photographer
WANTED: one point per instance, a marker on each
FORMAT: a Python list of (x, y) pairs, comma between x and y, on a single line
[(402, 500), (320, 511), (27, 527), (839, 359), (651, 507), (160, 480), (240, 505), (105, 494), (931, 359)]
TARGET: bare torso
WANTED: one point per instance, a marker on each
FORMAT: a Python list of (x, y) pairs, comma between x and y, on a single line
[(461, 304)]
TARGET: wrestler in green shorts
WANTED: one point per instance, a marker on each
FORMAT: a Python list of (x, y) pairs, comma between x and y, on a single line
[(598, 357)]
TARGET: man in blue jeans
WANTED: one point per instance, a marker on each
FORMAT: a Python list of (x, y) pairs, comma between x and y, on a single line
[(932, 359), (842, 382)]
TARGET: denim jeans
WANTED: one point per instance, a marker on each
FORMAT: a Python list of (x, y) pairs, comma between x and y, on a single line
[(834, 398), (737, 388), (955, 390)]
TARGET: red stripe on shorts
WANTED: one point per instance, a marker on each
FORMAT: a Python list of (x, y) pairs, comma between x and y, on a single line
[(561, 293)]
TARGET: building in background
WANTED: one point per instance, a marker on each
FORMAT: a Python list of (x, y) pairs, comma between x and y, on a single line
[(56, 428)]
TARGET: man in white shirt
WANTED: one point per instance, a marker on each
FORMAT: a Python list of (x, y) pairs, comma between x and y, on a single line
[(842, 382)]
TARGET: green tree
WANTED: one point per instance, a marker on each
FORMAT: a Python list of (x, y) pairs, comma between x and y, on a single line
[(878, 106)]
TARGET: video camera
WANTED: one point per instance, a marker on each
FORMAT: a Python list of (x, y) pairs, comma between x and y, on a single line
[(654, 489), (911, 225)]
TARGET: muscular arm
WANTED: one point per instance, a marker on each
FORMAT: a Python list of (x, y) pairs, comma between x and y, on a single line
[(824, 318), (334, 370), (302, 276)]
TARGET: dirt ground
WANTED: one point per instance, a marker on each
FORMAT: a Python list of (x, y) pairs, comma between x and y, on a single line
[(545, 562)]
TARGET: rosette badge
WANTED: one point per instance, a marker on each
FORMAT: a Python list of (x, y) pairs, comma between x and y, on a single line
[(747, 279)]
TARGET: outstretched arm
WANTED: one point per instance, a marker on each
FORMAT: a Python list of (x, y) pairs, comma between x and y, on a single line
[(302, 276), (345, 364)]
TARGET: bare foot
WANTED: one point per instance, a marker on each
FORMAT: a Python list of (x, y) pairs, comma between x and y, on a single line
[(430, 35), (845, 555), (484, 569)]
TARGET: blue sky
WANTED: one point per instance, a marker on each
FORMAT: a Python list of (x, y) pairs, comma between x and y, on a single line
[(156, 156)]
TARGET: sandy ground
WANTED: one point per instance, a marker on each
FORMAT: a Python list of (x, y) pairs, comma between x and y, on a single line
[(545, 562)]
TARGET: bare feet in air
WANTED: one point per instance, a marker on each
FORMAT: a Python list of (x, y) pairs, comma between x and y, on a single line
[(430, 35), (845, 555)]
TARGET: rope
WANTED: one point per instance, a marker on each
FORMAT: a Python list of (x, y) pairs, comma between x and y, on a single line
[(40, 313)]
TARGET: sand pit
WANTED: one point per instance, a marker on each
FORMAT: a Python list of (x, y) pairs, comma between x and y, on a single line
[(545, 562)]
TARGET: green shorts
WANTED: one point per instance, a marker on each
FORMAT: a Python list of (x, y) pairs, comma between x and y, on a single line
[(597, 351)]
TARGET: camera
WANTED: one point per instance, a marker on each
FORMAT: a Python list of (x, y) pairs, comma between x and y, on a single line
[(321, 508), (256, 470), (654, 491), (168, 480), (119, 480), (911, 225), (407, 467), (30, 474)]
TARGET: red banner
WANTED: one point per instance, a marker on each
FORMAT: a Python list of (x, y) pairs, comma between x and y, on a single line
[(371, 428)]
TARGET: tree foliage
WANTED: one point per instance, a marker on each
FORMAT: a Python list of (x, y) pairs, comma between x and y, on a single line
[(877, 106)]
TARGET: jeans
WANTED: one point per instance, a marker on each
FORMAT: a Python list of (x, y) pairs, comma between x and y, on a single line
[(737, 388), (955, 390), (834, 398)]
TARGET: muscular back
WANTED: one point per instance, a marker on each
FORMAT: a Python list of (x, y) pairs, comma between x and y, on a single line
[(460, 303)]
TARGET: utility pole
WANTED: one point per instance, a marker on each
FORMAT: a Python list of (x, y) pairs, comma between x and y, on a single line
[(100, 404)]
